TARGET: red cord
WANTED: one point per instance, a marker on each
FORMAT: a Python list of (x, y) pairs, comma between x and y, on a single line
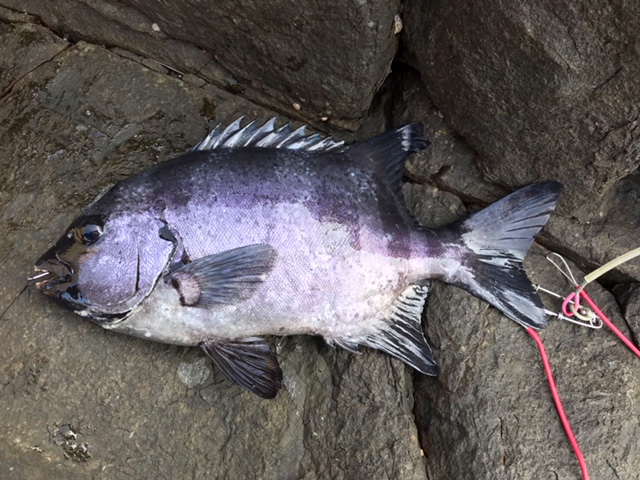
[(610, 324), (559, 407), (547, 367)]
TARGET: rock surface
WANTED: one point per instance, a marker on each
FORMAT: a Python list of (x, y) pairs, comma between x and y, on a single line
[(543, 91), (491, 404), (326, 58), (81, 402)]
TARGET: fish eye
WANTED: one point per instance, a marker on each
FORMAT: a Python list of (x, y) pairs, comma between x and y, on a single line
[(89, 234)]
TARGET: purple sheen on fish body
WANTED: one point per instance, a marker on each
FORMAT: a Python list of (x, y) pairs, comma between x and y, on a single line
[(221, 246)]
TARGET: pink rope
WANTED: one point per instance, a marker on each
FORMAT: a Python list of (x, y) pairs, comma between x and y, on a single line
[(559, 407), (610, 324)]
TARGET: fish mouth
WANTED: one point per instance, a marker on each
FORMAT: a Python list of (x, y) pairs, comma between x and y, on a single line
[(57, 279), (49, 273)]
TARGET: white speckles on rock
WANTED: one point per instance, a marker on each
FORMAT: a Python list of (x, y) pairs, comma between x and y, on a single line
[(194, 373)]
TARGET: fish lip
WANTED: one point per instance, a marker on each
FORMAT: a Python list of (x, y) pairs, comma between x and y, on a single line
[(50, 272)]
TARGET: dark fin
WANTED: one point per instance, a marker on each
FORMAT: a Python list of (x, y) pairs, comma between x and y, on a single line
[(225, 278), (495, 242), (247, 362), (266, 136), (402, 336), (389, 151)]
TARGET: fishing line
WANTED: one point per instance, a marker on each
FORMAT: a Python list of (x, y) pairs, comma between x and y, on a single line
[(592, 317)]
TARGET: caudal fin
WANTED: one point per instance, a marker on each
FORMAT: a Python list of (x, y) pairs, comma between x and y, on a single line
[(494, 243)]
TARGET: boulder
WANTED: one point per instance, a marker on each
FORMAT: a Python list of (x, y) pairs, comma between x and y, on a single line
[(489, 414), (544, 91), (83, 402), (316, 60)]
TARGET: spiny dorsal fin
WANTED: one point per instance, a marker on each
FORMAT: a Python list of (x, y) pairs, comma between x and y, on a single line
[(266, 136)]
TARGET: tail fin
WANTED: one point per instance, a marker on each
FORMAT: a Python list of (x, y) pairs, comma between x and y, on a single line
[(495, 241)]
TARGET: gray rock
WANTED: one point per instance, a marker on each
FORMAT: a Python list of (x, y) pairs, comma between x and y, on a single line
[(490, 415), (628, 297), (543, 92), (25, 47), (87, 403), (329, 59), (81, 402), (449, 164)]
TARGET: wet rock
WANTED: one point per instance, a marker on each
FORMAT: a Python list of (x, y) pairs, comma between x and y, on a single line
[(329, 59), (491, 404), (543, 92), (72, 126), (68, 129)]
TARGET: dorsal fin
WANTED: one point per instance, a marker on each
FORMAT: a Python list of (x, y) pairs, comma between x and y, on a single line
[(266, 136), (389, 150)]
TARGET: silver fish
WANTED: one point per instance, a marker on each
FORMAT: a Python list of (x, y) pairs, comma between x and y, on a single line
[(263, 231)]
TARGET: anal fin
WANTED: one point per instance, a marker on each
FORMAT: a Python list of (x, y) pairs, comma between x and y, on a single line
[(248, 362), (402, 335)]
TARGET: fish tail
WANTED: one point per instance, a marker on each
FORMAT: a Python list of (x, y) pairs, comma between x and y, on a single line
[(493, 243)]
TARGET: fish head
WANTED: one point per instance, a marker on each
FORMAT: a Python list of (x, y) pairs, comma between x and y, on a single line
[(105, 265)]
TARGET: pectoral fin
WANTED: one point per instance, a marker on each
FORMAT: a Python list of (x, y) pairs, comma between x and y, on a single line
[(247, 362), (225, 278)]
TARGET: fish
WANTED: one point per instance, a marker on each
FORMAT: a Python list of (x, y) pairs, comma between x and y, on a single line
[(262, 231)]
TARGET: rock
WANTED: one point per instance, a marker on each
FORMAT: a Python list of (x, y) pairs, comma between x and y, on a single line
[(543, 92), (628, 297), (490, 414), (329, 59), (86, 403), (82, 402), (449, 164), (540, 91), (27, 46)]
